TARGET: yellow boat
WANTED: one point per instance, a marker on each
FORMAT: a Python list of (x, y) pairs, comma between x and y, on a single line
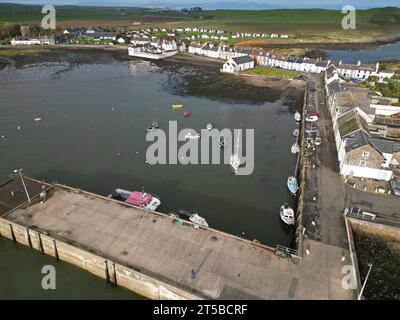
[(177, 106)]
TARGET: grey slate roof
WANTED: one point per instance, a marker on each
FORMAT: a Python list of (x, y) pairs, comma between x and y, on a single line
[(243, 59)]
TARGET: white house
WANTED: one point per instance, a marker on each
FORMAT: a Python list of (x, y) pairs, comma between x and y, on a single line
[(238, 64), (169, 45)]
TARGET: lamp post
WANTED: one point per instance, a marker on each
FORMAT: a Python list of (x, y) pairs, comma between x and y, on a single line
[(19, 172), (365, 281)]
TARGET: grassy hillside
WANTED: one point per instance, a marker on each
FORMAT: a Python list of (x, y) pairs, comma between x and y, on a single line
[(304, 24)]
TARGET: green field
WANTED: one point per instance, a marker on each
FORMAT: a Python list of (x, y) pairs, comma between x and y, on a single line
[(306, 24), (279, 73)]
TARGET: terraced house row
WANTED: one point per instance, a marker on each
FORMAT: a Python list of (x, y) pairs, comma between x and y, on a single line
[(268, 59), (366, 128)]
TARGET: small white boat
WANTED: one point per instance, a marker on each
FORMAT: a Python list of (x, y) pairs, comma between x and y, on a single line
[(234, 160), (296, 132), (297, 116), (193, 217), (287, 214), (153, 127), (295, 148), (196, 219), (221, 141), (209, 126), (292, 185), (318, 141), (38, 119), (190, 136)]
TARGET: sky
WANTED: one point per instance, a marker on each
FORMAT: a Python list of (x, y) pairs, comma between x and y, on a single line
[(224, 4)]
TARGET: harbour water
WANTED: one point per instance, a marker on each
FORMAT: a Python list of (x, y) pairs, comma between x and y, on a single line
[(92, 136), (385, 52)]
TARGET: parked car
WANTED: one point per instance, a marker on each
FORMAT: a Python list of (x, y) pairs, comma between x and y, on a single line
[(395, 186)]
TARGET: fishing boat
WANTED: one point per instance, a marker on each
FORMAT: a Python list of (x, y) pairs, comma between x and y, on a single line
[(295, 148), (312, 117), (136, 198), (297, 116), (176, 106), (209, 127), (153, 127), (287, 214), (292, 185), (188, 216), (221, 141), (234, 160), (296, 132), (187, 113), (190, 136)]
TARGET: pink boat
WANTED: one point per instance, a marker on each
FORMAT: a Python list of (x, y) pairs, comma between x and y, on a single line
[(136, 198)]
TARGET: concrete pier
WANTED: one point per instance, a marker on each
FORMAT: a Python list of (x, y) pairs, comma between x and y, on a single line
[(152, 255)]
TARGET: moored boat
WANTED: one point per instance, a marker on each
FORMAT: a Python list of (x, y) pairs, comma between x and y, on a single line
[(295, 148), (297, 116), (190, 136), (292, 185), (221, 141), (287, 214), (176, 106), (296, 132), (193, 217), (153, 127), (234, 160), (209, 127), (136, 198)]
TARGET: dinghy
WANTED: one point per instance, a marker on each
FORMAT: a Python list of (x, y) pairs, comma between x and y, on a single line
[(287, 214), (292, 185), (295, 148)]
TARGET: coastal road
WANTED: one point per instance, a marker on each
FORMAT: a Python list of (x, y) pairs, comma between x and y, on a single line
[(325, 193)]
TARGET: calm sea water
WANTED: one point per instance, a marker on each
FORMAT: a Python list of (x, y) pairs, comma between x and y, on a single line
[(382, 53), (93, 137)]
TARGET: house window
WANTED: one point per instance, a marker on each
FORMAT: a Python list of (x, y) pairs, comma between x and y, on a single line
[(365, 154), (363, 163)]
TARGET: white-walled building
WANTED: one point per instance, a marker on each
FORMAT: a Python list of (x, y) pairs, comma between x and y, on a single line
[(238, 64)]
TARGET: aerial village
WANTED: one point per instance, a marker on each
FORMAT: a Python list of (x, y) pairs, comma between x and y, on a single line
[(366, 124)]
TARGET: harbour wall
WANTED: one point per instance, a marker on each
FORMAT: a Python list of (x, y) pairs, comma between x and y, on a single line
[(112, 271), (301, 176)]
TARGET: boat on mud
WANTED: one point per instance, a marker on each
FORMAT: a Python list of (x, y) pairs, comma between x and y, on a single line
[(192, 217), (139, 199), (292, 185), (287, 214)]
